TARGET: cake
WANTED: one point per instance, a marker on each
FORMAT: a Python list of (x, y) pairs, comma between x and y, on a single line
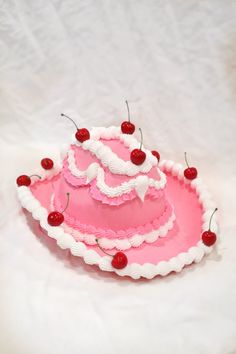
[(113, 203)]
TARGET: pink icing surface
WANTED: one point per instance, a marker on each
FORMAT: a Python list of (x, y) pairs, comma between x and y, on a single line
[(118, 148), (83, 158), (188, 214)]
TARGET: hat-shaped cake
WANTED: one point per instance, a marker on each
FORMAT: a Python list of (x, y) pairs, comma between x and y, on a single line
[(112, 203)]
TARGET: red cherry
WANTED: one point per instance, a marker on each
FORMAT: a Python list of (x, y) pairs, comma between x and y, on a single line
[(156, 154), (82, 135), (137, 156), (127, 127), (23, 180), (209, 237), (190, 172), (47, 163), (119, 260), (55, 218)]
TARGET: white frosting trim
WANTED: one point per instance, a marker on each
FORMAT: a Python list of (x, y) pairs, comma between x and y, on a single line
[(124, 244), (110, 159), (134, 270), (119, 244), (140, 183)]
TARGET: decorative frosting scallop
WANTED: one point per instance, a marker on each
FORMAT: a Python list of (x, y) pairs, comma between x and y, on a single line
[(103, 161), (94, 171), (125, 239), (109, 159), (125, 243)]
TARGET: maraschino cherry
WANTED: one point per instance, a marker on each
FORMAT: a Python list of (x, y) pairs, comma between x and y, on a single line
[(127, 127), (119, 259), (138, 156), (189, 172), (82, 134), (47, 163), (25, 180), (156, 154), (56, 218), (209, 237)]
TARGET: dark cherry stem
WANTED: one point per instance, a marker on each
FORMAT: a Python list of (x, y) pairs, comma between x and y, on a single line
[(141, 144), (211, 218), (103, 249), (64, 115), (185, 157), (128, 110), (67, 203), (35, 176)]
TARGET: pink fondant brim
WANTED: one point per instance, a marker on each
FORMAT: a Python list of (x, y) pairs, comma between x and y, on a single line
[(186, 231)]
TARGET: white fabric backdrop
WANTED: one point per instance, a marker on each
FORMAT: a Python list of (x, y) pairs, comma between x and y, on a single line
[(175, 62)]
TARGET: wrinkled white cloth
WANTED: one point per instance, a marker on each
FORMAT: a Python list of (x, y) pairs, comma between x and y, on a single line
[(175, 63)]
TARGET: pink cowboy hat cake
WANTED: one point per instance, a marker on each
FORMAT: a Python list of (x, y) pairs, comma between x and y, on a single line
[(114, 204)]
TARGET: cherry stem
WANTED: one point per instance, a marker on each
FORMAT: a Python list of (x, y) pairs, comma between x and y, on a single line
[(185, 157), (103, 249), (35, 176), (64, 115), (128, 110), (67, 203), (141, 144), (211, 218)]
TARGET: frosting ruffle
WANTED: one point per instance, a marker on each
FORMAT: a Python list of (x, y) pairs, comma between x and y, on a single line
[(154, 225), (124, 243), (94, 174), (110, 159), (96, 194)]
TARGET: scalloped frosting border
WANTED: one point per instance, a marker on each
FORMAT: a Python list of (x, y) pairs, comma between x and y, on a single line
[(95, 172), (145, 229), (121, 244), (134, 270), (108, 158), (96, 194)]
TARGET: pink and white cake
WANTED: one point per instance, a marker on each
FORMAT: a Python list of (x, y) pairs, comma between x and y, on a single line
[(135, 217)]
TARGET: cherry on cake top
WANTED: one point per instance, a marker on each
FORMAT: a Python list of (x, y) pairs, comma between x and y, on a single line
[(138, 156), (189, 172), (56, 218), (209, 237), (82, 134), (127, 127)]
